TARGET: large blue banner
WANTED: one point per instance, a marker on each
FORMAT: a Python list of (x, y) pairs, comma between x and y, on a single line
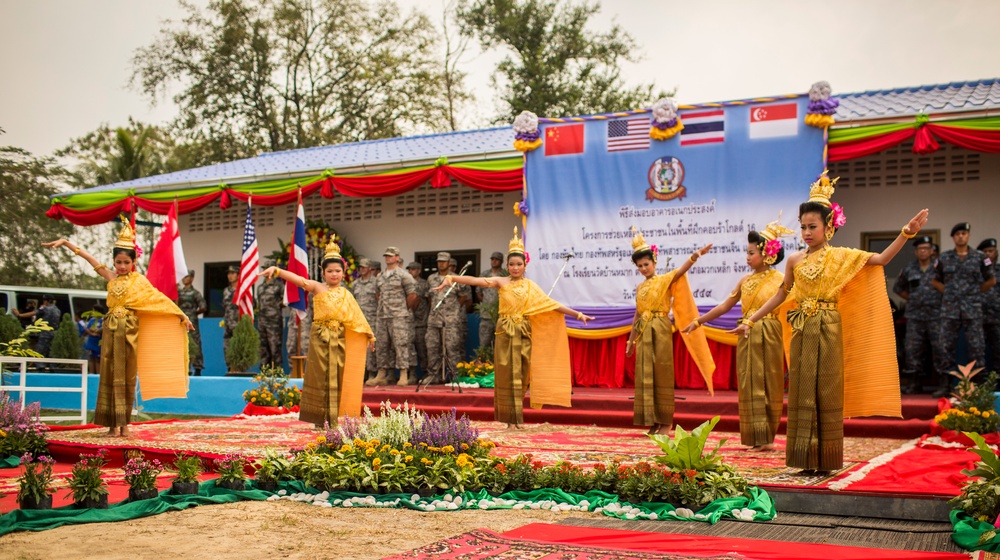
[(731, 170)]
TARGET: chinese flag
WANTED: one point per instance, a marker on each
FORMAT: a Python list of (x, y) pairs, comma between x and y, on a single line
[(567, 139)]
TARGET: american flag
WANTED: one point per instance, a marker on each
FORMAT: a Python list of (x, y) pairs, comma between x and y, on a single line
[(628, 134), (295, 295), (249, 264)]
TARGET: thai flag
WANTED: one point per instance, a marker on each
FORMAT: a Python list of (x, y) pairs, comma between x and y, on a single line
[(295, 295), (706, 126), (249, 264)]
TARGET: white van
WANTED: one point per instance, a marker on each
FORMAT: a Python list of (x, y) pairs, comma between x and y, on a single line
[(28, 298)]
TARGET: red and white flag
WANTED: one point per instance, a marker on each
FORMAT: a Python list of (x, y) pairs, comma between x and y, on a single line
[(771, 121), (295, 295), (249, 264), (167, 266)]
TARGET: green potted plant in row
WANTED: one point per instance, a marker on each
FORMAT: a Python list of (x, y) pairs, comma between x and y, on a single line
[(232, 472), (85, 484), (271, 468), (140, 475), (187, 467), (34, 486)]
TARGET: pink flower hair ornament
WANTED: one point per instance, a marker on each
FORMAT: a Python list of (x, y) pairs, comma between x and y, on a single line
[(772, 247), (838, 217), (527, 258)]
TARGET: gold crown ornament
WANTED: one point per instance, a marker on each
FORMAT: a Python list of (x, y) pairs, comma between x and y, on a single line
[(639, 242), (516, 245), (126, 237), (822, 190), (332, 250), (771, 246)]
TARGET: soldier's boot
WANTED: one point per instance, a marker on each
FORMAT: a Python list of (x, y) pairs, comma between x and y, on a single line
[(381, 379), (944, 390), (197, 372), (406, 377)]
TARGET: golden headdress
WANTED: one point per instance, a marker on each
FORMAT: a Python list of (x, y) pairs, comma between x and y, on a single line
[(639, 243), (822, 190), (771, 246), (332, 250), (516, 245), (126, 237)]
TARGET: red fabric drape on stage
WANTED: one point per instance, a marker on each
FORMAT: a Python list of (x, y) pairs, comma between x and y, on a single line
[(925, 141), (979, 140), (602, 363), (487, 181)]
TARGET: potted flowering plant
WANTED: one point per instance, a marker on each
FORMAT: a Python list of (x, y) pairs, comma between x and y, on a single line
[(85, 483), (140, 475), (232, 471), (35, 483), (270, 468), (187, 467)]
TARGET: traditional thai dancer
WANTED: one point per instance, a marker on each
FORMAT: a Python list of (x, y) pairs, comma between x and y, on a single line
[(159, 350), (531, 348), (651, 338), (335, 366), (760, 358), (843, 350)]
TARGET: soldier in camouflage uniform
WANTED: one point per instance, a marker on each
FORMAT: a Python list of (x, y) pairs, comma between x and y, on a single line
[(991, 308), (923, 312), (270, 299), (963, 275), (364, 293), (231, 311), (489, 297), (297, 340), (444, 335), (464, 304), (192, 303), (396, 292), (420, 315)]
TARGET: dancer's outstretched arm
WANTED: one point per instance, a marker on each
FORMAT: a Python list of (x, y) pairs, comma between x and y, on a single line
[(683, 268), (305, 283), (718, 310), (102, 270), (909, 230), (777, 299)]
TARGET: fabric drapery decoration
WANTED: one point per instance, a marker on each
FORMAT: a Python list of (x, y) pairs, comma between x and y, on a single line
[(91, 208), (602, 363), (981, 135)]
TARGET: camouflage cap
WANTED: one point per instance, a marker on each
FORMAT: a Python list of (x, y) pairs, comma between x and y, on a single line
[(233, 268), (496, 255), (391, 251), (444, 256), (191, 272), (414, 265), (364, 261)]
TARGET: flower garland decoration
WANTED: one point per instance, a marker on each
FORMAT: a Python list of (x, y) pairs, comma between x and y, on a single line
[(528, 136), (666, 123), (318, 236), (521, 209), (771, 248), (821, 106)]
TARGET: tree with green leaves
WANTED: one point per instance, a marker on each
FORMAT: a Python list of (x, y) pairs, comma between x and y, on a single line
[(244, 346), (110, 155), (66, 343), (26, 182), (555, 65), (269, 75)]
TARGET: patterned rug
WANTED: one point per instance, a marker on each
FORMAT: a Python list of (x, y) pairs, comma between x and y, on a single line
[(548, 443), (483, 544)]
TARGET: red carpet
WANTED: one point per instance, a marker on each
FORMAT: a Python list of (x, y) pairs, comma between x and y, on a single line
[(926, 469), (544, 541)]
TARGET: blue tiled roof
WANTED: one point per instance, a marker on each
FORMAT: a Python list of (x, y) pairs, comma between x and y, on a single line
[(498, 142), (910, 101), (495, 142)]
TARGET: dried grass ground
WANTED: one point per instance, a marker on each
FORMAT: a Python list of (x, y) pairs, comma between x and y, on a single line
[(279, 529)]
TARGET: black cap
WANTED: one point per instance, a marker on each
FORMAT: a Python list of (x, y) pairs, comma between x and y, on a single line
[(986, 243), (935, 247), (923, 239), (233, 268), (964, 226), (48, 297)]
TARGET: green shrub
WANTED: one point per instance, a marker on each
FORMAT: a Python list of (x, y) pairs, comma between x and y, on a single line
[(66, 343), (244, 346)]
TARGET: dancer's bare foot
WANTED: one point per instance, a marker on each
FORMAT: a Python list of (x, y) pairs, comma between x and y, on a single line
[(515, 426), (124, 431), (663, 430), (652, 429), (112, 432), (766, 447)]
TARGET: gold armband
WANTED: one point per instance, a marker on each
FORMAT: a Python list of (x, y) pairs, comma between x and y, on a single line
[(748, 322), (302, 283), (786, 287), (697, 323), (908, 235), (579, 316), (76, 251), (99, 267), (693, 259)]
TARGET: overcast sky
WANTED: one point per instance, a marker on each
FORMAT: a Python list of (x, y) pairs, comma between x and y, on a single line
[(64, 64)]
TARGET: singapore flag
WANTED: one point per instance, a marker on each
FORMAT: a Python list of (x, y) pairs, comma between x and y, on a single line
[(770, 121)]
